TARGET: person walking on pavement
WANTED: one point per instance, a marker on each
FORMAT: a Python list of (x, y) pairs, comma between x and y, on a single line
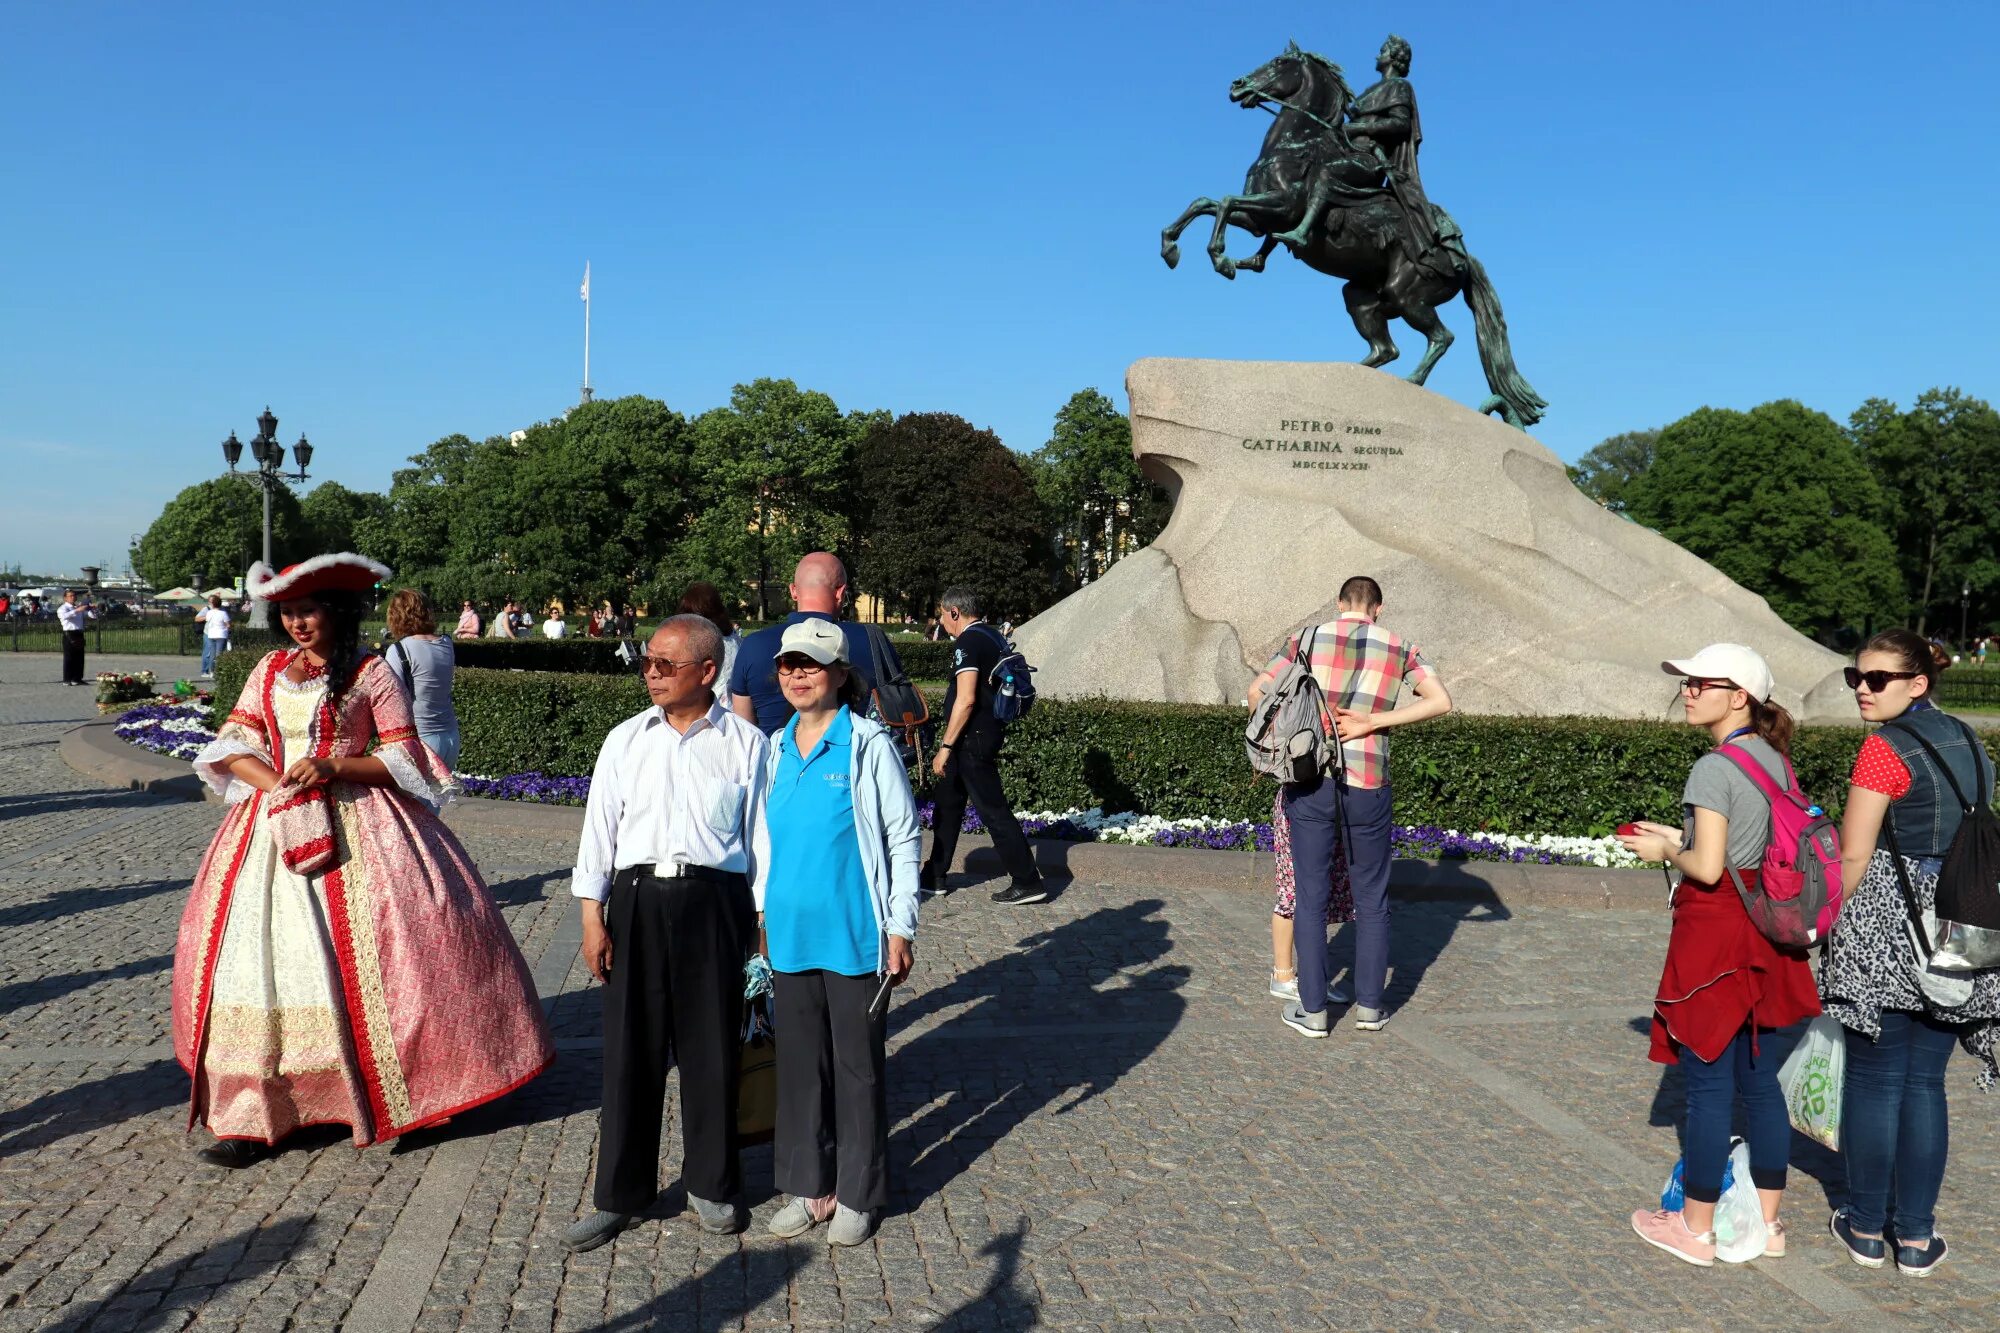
[(1362, 667), (214, 633), (73, 617), (670, 871), (840, 914), (968, 758)]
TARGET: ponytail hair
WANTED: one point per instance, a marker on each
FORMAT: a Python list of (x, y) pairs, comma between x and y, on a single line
[(1912, 652), (1774, 725)]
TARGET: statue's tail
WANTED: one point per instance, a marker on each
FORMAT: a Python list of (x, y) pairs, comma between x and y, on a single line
[(1512, 393)]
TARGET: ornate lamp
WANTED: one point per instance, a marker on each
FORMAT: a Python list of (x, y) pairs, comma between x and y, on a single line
[(303, 451), (232, 449)]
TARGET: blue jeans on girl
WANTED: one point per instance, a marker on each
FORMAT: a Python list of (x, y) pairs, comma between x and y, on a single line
[(1712, 1090), (1894, 1130)]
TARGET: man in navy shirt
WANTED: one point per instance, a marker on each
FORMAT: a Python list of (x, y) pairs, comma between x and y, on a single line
[(819, 590)]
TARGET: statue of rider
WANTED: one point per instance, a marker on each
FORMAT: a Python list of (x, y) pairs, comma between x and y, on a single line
[(1383, 122)]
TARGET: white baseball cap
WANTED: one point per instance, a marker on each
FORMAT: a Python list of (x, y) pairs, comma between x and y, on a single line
[(821, 640), (1745, 668)]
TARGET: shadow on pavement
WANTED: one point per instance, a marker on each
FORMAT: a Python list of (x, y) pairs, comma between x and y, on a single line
[(86, 1108), (69, 802), (1421, 930), (738, 1283), (40, 990), (1001, 1304), (985, 1070), (65, 901), (247, 1254), (525, 888)]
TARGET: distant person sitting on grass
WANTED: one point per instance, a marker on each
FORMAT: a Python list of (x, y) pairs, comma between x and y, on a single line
[(504, 623), (553, 627), (468, 622)]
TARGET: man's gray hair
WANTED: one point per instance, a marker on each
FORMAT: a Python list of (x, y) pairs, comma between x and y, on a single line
[(700, 635), (961, 599)]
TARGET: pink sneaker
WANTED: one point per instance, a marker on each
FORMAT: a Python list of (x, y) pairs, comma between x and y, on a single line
[(1670, 1232)]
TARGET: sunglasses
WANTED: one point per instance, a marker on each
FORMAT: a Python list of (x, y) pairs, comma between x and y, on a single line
[(796, 665), (665, 666), (1877, 681), (1692, 686)]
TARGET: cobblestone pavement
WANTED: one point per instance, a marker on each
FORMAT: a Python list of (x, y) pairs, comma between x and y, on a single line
[(1098, 1123)]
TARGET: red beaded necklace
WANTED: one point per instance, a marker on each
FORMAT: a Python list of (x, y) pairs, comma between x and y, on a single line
[(308, 669)]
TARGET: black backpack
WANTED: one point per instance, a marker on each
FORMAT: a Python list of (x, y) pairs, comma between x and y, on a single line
[(894, 701), (1012, 679), (1965, 936)]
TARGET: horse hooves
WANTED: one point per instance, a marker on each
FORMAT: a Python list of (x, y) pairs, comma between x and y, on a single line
[(1172, 254), (1227, 268)]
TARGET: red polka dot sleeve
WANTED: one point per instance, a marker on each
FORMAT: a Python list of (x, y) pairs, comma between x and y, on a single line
[(1877, 768)]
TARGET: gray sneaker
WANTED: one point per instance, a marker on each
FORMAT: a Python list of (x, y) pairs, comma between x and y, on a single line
[(596, 1229), (850, 1227), (720, 1219), (1298, 1020), (1370, 1020), (796, 1218)]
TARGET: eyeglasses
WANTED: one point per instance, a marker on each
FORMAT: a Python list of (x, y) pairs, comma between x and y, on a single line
[(1877, 681), (799, 666), (1694, 688), (665, 666)]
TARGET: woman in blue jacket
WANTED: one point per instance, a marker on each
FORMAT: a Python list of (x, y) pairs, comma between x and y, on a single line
[(840, 912)]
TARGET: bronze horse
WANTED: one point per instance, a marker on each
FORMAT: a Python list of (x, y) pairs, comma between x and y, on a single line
[(1362, 242)]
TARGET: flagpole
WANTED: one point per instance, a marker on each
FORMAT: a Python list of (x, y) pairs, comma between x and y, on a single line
[(586, 331)]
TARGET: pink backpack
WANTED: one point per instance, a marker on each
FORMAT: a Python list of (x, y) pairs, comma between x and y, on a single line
[(1798, 891)]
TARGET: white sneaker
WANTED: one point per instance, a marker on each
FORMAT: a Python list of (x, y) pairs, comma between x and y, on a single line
[(1337, 992)]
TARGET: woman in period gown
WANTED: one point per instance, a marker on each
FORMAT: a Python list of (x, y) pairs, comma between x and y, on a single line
[(340, 960)]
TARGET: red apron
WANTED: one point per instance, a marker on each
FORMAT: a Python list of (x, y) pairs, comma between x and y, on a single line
[(1721, 973)]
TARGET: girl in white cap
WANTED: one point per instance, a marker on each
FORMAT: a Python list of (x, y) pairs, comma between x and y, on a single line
[(1724, 982)]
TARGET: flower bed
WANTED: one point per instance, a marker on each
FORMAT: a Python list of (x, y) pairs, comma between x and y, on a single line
[(180, 730), (114, 688)]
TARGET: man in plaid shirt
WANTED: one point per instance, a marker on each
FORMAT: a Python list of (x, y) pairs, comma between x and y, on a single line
[(1363, 669)]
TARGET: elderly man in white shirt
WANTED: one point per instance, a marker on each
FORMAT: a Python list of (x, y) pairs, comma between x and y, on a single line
[(73, 616), (671, 877)]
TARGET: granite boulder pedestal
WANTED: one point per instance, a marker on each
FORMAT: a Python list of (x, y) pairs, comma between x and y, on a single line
[(1290, 476)]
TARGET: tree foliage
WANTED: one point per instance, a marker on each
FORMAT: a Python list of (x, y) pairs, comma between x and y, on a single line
[(943, 502), (1609, 469), (211, 531), (1101, 506), (338, 519), (1780, 500), (1938, 465)]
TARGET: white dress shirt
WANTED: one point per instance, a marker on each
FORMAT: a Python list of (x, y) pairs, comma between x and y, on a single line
[(71, 615), (661, 797)]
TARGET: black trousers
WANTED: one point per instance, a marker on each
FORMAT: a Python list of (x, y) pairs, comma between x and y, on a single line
[(833, 1102), (972, 771), (675, 995), (73, 656)]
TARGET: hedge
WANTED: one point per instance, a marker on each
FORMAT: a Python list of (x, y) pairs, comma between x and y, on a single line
[(1571, 775), (922, 659)]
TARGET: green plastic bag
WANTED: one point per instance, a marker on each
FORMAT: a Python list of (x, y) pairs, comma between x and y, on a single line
[(1811, 1079)]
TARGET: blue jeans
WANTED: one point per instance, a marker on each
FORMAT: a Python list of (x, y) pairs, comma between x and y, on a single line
[(1712, 1090), (210, 650), (1894, 1130), (1323, 815), (444, 744)]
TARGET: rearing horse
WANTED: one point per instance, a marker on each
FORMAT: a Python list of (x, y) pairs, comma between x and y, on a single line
[(1362, 242)]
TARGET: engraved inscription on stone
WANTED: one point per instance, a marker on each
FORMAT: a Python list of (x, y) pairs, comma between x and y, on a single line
[(1336, 439)]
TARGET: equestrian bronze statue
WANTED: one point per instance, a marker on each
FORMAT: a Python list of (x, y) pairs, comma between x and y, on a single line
[(1337, 183)]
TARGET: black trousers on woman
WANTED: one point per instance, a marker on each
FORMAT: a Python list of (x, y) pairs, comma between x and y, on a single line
[(72, 657), (675, 996), (833, 1104)]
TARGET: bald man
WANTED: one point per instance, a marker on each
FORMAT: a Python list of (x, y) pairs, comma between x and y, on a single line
[(819, 590)]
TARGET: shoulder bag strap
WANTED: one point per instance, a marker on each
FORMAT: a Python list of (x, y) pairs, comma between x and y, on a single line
[(1922, 940), (1965, 806), (409, 676)]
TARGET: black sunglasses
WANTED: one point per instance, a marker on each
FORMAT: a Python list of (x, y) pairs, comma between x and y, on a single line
[(1878, 681)]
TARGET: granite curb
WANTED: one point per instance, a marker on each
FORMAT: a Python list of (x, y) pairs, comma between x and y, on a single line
[(95, 751)]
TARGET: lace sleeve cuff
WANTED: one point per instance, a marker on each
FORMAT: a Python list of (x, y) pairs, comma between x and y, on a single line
[(420, 773), (219, 752)]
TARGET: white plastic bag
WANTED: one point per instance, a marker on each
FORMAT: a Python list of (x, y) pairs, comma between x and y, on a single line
[(1740, 1233), (1811, 1079)]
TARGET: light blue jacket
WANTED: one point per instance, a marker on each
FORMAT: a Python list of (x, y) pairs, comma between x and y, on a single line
[(885, 821)]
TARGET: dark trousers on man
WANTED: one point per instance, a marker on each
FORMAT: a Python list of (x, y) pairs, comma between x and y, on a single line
[(833, 1102), (972, 771), (72, 657), (675, 996), (1330, 818)]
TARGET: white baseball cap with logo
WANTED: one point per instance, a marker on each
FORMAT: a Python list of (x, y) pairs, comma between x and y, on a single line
[(1745, 668), (821, 640)]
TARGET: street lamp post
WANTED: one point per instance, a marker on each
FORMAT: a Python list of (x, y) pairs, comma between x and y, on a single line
[(1964, 604), (270, 457)]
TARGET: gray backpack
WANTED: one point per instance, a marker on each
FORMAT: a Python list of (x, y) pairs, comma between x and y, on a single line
[(1286, 736)]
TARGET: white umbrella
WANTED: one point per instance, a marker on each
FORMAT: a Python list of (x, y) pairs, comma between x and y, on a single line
[(179, 595)]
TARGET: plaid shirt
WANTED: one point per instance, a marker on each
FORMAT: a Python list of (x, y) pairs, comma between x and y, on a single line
[(1363, 667)]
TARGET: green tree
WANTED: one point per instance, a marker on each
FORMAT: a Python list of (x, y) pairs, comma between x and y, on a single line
[(772, 474), (1101, 506), (1780, 500), (1610, 467), (1939, 468), (947, 503), (213, 529), (338, 519)]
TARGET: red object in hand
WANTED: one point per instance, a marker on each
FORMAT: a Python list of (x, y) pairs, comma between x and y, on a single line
[(1629, 830)]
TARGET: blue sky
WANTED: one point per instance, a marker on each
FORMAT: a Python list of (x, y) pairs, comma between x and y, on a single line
[(375, 218)]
